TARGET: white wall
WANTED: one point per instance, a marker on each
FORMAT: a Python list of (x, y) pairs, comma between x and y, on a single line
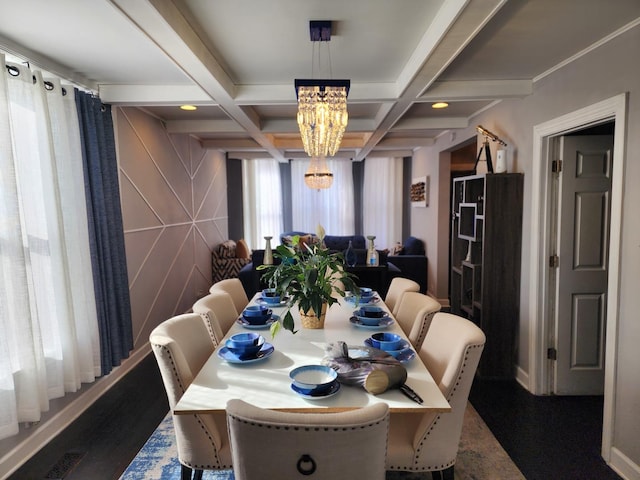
[(603, 73)]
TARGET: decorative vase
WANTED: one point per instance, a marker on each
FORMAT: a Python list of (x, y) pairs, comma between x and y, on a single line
[(268, 253), (350, 255), (311, 320), (372, 254)]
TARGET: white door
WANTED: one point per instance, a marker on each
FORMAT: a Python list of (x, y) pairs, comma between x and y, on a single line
[(584, 205)]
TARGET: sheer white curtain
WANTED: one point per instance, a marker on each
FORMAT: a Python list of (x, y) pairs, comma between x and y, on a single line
[(49, 342), (332, 208), (262, 201), (382, 200)]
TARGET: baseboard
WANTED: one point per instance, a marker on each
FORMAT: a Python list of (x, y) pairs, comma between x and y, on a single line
[(47, 430), (522, 378), (623, 465)]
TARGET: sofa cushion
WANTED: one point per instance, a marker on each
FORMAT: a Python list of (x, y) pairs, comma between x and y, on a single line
[(413, 246), (341, 242)]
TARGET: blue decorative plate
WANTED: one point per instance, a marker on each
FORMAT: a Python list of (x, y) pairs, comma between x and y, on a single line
[(226, 354), (371, 321), (351, 300), (403, 354), (335, 388), (242, 321), (384, 323), (406, 355), (283, 302)]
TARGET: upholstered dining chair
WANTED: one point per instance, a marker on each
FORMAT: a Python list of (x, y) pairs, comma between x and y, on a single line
[(397, 288), (232, 286), (218, 312), (181, 346), (319, 446), (414, 314), (451, 352)]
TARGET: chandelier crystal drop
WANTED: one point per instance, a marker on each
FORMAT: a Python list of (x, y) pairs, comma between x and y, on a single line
[(318, 175)]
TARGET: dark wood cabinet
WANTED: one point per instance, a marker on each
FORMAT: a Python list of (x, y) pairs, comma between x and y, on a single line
[(486, 245)]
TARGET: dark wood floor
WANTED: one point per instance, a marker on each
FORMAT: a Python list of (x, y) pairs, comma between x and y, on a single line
[(547, 437)]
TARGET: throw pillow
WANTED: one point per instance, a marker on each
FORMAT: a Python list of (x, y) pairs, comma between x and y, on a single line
[(242, 249), (227, 249), (398, 249)]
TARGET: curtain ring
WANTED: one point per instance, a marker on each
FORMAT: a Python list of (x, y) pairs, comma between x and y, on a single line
[(13, 70), (48, 85), (64, 91), (306, 465)]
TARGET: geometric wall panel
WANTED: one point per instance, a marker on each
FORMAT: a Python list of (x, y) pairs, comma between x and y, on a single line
[(174, 207)]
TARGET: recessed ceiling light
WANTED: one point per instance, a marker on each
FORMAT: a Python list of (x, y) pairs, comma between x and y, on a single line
[(440, 105), (188, 107)]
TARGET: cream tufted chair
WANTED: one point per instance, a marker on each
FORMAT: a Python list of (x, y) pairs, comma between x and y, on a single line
[(181, 346), (451, 351), (232, 286), (414, 315), (219, 313), (269, 444), (397, 288)]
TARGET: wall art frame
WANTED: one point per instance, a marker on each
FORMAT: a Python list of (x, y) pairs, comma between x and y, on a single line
[(419, 192)]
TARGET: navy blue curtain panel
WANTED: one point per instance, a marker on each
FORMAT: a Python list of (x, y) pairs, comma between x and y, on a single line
[(106, 234)]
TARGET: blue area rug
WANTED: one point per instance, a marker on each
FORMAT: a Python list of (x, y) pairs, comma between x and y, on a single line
[(480, 457), (158, 458)]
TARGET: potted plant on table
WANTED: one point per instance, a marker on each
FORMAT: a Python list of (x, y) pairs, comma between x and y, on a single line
[(311, 276)]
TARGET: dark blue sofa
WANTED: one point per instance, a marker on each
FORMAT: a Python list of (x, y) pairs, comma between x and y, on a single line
[(414, 266)]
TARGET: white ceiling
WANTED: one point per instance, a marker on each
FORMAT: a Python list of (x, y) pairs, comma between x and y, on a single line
[(237, 59)]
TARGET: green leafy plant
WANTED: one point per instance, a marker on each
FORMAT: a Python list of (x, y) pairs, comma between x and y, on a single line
[(309, 275)]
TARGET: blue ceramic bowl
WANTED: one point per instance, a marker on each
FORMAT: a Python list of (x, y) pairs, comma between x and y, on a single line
[(270, 295), (402, 348), (386, 341), (366, 292), (310, 379), (245, 344), (255, 311), (256, 315), (372, 311)]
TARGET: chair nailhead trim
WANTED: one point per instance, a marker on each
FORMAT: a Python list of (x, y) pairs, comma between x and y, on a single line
[(430, 468), (164, 350)]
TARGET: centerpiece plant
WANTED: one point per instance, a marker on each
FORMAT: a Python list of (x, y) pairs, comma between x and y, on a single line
[(310, 276)]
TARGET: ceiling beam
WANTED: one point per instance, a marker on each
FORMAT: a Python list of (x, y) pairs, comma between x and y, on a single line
[(477, 90), (163, 22), (454, 32)]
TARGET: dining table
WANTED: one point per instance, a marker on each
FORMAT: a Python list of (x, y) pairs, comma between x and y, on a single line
[(266, 382)]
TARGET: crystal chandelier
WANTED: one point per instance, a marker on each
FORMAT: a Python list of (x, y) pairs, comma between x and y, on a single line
[(322, 115), (318, 175), (322, 105)]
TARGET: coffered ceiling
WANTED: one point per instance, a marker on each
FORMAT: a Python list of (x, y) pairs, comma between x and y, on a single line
[(237, 59)]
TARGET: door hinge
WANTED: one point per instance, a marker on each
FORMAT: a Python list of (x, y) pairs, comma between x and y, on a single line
[(552, 353), (554, 261), (556, 166)]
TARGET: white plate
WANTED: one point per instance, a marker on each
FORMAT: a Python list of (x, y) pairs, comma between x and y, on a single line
[(226, 354), (242, 321), (332, 391), (384, 323)]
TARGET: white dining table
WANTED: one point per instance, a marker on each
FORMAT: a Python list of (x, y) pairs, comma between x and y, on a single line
[(266, 383)]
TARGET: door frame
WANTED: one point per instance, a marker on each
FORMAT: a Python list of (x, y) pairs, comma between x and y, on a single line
[(613, 109)]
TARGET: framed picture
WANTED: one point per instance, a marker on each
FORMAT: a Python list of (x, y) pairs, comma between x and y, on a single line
[(419, 192)]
